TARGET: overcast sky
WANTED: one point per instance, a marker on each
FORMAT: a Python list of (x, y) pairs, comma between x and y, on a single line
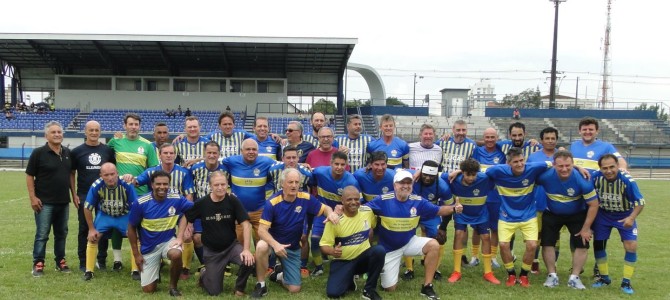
[(452, 44)]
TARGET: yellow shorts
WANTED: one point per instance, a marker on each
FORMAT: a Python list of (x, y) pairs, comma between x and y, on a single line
[(538, 216), (528, 228)]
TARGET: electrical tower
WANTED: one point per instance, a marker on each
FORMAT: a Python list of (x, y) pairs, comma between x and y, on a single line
[(606, 88)]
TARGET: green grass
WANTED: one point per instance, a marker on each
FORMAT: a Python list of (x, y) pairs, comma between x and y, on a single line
[(18, 230)]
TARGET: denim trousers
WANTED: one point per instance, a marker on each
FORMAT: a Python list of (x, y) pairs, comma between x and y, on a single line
[(55, 215)]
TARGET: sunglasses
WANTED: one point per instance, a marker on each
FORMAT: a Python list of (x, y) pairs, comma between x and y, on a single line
[(289, 130)]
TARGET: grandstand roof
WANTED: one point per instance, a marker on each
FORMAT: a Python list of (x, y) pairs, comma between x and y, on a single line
[(172, 55)]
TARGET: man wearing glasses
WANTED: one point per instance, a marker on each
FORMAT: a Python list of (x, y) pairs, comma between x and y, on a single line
[(321, 156), (294, 138)]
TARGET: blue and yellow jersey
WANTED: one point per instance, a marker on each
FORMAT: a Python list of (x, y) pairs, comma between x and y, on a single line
[(516, 192), (133, 157), (486, 160), (247, 181), (588, 156), (397, 151), (187, 151), (473, 198), (273, 185), (286, 219), (540, 196), (114, 201), (566, 197), (269, 148), (230, 145), (352, 232), (181, 181), (304, 148), (200, 175), (156, 220), (454, 153), (329, 190), (399, 219), (527, 149), (618, 197), (370, 188), (358, 149), (437, 193)]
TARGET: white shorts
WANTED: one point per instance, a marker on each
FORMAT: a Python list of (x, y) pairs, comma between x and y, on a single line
[(414, 247), (152, 262)]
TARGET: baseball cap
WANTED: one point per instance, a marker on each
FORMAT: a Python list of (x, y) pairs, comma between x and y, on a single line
[(401, 175)]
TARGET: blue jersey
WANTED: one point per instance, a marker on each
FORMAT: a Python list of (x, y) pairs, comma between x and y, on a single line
[(516, 192), (230, 145), (181, 181), (269, 148), (114, 201), (186, 150), (200, 175), (540, 197), (486, 160), (286, 219), (566, 197), (399, 219), (397, 151), (247, 181), (454, 153), (370, 188), (304, 148), (505, 145), (437, 193), (273, 185), (473, 199), (588, 156), (329, 190), (156, 220), (358, 149), (618, 197)]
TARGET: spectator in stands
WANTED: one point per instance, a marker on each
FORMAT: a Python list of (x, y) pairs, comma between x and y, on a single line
[(167, 112), (8, 106), (228, 108), (52, 106), (187, 113), (516, 114), (179, 110), (331, 121), (9, 115), (301, 117)]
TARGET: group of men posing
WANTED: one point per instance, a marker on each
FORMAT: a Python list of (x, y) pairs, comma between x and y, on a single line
[(281, 193)]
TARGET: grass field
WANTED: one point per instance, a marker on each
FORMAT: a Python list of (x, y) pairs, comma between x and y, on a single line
[(18, 229)]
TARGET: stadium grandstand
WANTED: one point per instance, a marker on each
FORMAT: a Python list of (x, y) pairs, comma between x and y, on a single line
[(103, 77)]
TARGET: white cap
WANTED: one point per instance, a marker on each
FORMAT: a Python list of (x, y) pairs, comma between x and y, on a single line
[(402, 174)]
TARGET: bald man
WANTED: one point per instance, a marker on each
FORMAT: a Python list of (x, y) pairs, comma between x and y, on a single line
[(87, 160)]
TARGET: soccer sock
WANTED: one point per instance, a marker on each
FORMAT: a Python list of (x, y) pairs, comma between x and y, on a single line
[(475, 250), (91, 253), (525, 269), (457, 260), (303, 262), (601, 257), (440, 255), (510, 268), (628, 265), (133, 265), (272, 261), (187, 254), (487, 263), (494, 252), (537, 254), (117, 240), (409, 263), (262, 283), (117, 255), (199, 254), (316, 251)]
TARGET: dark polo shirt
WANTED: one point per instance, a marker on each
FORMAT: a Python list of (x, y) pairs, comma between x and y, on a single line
[(52, 174), (87, 161)]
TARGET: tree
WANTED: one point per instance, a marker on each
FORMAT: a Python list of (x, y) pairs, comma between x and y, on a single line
[(324, 106), (394, 101), (525, 99), (357, 102), (661, 114)]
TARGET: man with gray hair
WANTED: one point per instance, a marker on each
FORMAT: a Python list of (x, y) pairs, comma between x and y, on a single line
[(425, 149), (48, 182), (294, 138)]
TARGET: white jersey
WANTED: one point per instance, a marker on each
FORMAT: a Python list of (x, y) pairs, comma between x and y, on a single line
[(418, 155)]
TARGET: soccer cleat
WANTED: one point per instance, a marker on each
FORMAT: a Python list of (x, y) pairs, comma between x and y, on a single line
[(511, 280), (627, 288), (201, 271), (408, 275), (576, 283), (259, 291), (61, 266), (318, 271), (535, 268), (428, 292), (523, 281), (135, 275), (185, 274), (474, 262), (601, 282), (437, 275), (596, 271), (371, 295), (117, 266), (552, 281), (464, 260), (38, 269), (490, 277), (304, 272), (495, 264), (456, 276), (174, 292), (102, 265), (88, 276), (278, 269)]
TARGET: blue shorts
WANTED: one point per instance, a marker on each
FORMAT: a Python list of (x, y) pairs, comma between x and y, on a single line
[(104, 223), (291, 265), (197, 226), (604, 222), (494, 214), (481, 228), (431, 226)]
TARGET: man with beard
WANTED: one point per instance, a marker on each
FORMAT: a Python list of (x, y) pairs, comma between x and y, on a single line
[(354, 144), (457, 148), (517, 138)]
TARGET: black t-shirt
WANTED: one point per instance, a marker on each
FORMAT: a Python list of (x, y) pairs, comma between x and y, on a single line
[(218, 220), (52, 174), (87, 160)]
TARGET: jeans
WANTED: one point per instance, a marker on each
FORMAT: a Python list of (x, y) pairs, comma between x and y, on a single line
[(82, 236), (55, 215)]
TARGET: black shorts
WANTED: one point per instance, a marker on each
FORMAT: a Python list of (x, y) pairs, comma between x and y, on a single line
[(552, 224)]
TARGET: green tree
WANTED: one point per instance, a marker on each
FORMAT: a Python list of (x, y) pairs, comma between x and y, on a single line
[(357, 102), (527, 99), (394, 101), (324, 106), (661, 114)]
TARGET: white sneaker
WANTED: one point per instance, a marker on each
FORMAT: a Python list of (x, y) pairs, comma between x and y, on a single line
[(552, 281), (576, 283), (495, 264), (474, 262)]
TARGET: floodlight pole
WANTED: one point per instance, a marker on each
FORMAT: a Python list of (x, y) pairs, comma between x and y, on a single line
[(552, 87), (414, 92)]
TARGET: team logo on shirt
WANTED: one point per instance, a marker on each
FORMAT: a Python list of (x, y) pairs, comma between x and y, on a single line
[(431, 196), (571, 192), (339, 191), (172, 211), (475, 192), (412, 212), (94, 159), (140, 150), (525, 182), (268, 149), (299, 153), (496, 160), (590, 154), (257, 172), (385, 190), (394, 152), (298, 209)]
